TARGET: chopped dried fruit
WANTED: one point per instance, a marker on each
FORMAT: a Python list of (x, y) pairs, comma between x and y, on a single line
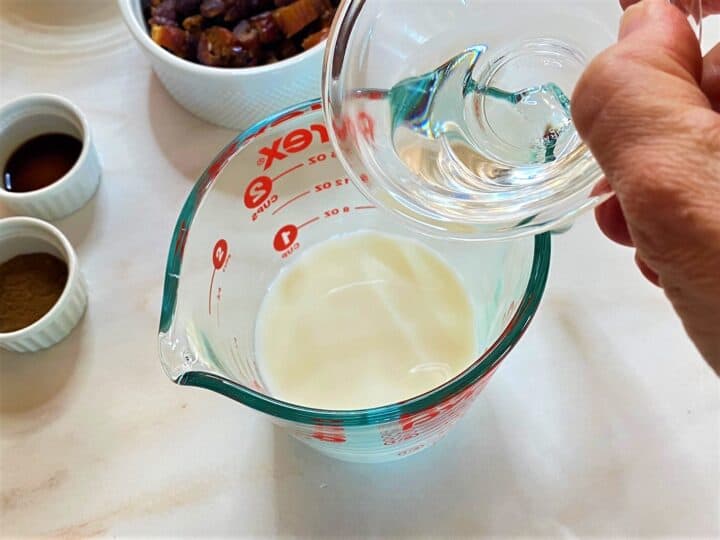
[(218, 47), (163, 13), (286, 49), (242, 9), (193, 23), (247, 35), (241, 57), (268, 30), (212, 8), (313, 39), (296, 16), (214, 47), (171, 38), (186, 8), (238, 33), (326, 18)]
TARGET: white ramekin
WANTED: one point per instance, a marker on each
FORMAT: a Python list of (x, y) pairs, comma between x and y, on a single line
[(22, 235), (38, 114), (235, 98)]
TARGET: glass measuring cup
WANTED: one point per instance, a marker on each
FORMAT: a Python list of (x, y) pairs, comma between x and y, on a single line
[(274, 192), (470, 101)]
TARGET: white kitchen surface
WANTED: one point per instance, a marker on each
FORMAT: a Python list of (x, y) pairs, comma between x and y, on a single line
[(604, 421)]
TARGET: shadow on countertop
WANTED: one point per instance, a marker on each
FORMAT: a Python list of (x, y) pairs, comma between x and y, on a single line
[(28, 381), (423, 495), (177, 130)]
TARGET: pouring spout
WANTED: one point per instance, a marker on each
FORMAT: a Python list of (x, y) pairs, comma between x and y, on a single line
[(176, 357)]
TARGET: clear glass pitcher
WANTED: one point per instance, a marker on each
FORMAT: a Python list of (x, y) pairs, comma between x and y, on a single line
[(469, 102), (273, 193)]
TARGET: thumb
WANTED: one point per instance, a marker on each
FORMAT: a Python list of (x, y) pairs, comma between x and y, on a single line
[(640, 110)]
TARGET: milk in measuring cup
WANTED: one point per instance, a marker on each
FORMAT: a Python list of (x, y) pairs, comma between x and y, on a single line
[(364, 320)]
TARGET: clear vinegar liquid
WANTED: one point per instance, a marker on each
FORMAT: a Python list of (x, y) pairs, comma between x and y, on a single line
[(488, 122)]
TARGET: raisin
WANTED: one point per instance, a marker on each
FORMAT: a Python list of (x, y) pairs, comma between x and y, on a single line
[(286, 49), (193, 23), (214, 46), (236, 10), (212, 8), (241, 57), (242, 9), (185, 8), (218, 47), (268, 29), (164, 10), (247, 36)]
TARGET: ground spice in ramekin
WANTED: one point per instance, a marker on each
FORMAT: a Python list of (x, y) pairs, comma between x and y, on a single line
[(29, 287)]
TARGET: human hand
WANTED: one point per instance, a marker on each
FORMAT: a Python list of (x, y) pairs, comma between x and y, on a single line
[(646, 108)]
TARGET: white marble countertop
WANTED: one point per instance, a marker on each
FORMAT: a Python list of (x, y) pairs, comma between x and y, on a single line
[(604, 421)]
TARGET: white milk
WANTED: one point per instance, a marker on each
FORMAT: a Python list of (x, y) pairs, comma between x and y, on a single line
[(364, 320)]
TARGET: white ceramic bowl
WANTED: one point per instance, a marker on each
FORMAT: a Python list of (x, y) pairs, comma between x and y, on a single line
[(38, 114), (21, 235), (235, 98)]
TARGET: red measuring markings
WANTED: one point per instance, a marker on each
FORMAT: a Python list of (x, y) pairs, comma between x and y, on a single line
[(366, 207), (284, 118), (217, 309), (319, 158), (309, 222), (285, 240), (436, 419), (336, 211), (296, 141), (295, 198), (220, 253), (339, 182), (347, 127), (331, 431), (285, 237), (258, 194), (219, 258), (258, 191), (318, 188), (291, 169)]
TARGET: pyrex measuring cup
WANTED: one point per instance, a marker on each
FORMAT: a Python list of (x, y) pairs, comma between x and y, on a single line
[(274, 192)]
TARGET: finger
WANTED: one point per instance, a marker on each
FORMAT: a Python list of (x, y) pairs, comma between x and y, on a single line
[(611, 220), (709, 7), (710, 83), (646, 271)]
